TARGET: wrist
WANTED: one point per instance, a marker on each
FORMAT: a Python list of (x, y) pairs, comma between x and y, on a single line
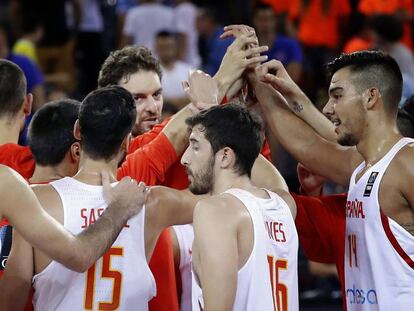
[(223, 84), (115, 213)]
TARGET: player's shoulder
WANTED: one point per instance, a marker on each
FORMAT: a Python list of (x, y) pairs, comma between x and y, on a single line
[(47, 196), (221, 207), (9, 177), (404, 160)]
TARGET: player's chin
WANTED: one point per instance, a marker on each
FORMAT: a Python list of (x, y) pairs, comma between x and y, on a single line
[(196, 189)]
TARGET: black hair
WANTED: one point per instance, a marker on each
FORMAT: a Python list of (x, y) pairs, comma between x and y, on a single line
[(373, 69), (106, 117), (232, 126), (121, 64), (51, 131)]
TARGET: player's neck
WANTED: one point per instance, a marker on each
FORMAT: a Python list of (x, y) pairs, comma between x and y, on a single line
[(9, 131), (231, 180), (90, 170), (47, 174), (378, 139)]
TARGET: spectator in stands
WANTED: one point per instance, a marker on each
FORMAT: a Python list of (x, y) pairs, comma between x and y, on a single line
[(56, 48), (174, 71), (387, 31), (285, 49), (185, 15), (212, 48), (144, 21), (89, 44), (32, 33)]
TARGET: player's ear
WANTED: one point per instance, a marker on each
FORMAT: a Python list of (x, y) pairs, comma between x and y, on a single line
[(75, 150), (76, 130), (371, 97), (27, 104), (226, 157)]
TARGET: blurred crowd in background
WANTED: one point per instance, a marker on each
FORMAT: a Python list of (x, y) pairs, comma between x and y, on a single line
[(61, 45)]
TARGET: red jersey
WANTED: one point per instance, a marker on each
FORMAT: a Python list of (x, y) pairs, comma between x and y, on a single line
[(320, 222), (19, 158)]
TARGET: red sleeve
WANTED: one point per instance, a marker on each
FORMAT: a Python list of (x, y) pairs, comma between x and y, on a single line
[(147, 137), (150, 162), (320, 222), (19, 158)]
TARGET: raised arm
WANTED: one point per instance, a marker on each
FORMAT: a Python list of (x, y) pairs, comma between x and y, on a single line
[(24, 212), (274, 73), (319, 155), (266, 175)]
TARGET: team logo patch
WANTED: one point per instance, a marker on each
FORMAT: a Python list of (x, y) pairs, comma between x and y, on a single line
[(370, 184)]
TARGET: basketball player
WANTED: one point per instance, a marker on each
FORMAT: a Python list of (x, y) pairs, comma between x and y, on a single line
[(374, 159), (77, 202), (57, 153), (138, 71), (245, 245), (22, 209), (76, 253)]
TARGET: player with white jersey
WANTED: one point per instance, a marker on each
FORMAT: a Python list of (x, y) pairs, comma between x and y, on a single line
[(124, 263), (245, 244), (371, 156), (375, 239), (121, 279), (269, 277)]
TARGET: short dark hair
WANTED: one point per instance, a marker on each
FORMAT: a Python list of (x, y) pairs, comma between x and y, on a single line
[(232, 126), (12, 88), (51, 131), (373, 69), (121, 64), (106, 117)]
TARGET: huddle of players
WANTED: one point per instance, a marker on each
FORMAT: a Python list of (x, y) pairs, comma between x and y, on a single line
[(244, 254)]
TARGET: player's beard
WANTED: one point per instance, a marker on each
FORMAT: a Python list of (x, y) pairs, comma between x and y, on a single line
[(347, 139), (202, 181)]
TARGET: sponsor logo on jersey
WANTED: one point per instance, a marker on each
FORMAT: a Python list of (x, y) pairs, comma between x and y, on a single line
[(355, 209), (361, 296), (370, 184)]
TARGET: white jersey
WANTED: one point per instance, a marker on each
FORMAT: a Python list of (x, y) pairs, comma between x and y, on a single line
[(185, 238), (269, 278), (120, 280), (379, 253)]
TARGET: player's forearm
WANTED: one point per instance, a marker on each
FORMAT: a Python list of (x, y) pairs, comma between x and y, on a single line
[(224, 82), (176, 130), (304, 109), (93, 242)]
